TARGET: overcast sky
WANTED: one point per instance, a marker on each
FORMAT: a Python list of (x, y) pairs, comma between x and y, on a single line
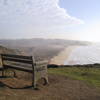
[(68, 19)]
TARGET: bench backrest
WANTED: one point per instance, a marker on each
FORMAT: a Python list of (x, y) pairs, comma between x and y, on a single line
[(17, 58), (17, 62)]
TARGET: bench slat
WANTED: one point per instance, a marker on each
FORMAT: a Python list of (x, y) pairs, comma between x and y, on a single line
[(17, 60), (19, 68), (42, 62), (17, 56)]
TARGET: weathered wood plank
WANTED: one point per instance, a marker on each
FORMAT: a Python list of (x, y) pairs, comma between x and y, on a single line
[(17, 56), (41, 63), (40, 68), (18, 68), (17, 60)]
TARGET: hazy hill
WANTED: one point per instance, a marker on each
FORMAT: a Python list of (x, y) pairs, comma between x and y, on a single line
[(40, 48), (40, 42), (4, 50)]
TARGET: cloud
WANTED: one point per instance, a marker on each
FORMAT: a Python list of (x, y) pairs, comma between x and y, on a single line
[(35, 13)]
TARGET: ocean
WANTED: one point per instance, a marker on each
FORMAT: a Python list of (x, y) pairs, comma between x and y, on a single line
[(84, 55)]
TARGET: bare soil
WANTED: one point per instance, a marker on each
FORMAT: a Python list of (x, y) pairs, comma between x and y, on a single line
[(59, 88)]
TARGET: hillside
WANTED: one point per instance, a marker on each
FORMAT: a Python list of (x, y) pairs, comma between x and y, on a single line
[(6, 50), (40, 48), (85, 81), (40, 42)]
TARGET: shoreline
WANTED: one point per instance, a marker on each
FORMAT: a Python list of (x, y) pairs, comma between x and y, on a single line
[(62, 56)]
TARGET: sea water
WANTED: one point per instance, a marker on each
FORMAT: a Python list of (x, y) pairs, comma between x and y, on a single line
[(84, 55)]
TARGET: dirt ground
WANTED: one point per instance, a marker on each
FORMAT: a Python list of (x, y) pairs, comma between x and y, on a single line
[(59, 88)]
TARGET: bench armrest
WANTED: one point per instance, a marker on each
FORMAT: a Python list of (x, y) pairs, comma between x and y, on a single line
[(45, 62)]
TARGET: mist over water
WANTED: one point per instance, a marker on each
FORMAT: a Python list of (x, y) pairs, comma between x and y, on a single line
[(84, 55)]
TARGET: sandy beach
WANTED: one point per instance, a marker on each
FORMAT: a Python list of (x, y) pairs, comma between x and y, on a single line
[(62, 56)]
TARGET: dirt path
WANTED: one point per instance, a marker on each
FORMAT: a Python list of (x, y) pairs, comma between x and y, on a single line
[(60, 88), (61, 57)]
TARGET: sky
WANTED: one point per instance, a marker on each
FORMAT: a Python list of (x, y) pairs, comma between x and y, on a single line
[(64, 19)]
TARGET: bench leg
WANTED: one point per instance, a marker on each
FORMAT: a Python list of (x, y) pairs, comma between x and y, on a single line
[(3, 73), (15, 74), (46, 81), (34, 83)]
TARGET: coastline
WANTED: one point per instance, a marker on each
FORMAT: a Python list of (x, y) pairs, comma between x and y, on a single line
[(62, 56)]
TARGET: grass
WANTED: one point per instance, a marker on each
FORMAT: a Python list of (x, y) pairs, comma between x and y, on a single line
[(88, 75)]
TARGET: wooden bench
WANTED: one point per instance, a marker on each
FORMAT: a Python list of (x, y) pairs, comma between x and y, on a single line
[(26, 64)]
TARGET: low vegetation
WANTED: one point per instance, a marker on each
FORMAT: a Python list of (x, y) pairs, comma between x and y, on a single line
[(89, 75)]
